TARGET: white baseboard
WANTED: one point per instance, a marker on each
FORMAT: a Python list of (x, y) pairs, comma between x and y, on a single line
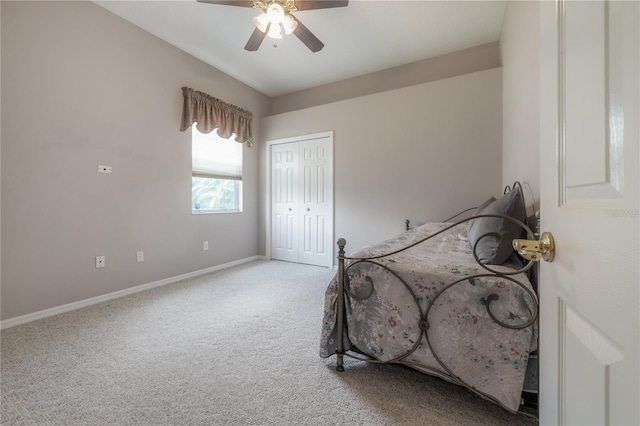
[(23, 319)]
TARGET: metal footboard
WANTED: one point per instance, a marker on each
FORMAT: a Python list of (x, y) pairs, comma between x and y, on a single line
[(345, 263)]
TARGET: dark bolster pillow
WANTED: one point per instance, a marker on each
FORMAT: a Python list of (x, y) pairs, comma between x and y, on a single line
[(494, 249), (479, 208)]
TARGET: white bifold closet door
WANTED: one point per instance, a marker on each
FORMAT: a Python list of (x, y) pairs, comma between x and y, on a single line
[(302, 201)]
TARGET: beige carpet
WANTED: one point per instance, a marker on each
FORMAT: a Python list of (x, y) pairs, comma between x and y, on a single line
[(234, 347)]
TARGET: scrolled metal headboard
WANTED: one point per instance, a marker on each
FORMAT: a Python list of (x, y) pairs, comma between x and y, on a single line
[(507, 189)]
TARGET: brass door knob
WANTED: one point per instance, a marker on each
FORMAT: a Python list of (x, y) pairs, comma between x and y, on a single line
[(543, 249)]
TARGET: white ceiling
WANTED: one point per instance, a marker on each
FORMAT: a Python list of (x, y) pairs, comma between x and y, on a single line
[(364, 37)]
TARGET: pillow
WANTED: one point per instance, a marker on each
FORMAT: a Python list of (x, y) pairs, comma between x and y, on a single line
[(480, 207), (496, 249)]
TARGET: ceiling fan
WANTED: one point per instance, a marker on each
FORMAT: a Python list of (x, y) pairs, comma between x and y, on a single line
[(276, 17)]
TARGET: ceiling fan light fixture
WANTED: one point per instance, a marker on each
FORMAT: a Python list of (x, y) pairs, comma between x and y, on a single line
[(276, 17), (275, 31), (289, 24), (261, 22), (275, 12)]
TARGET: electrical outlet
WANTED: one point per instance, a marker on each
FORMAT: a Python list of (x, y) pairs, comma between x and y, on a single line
[(140, 256), (100, 261), (104, 169), (205, 245)]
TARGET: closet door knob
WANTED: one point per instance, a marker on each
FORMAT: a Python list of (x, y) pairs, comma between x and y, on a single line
[(308, 209), (289, 208)]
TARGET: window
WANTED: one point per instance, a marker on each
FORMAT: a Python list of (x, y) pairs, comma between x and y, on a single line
[(216, 177)]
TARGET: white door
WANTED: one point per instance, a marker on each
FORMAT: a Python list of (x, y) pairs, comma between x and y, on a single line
[(302, 199), (589, 298), (316, 203), (284, 202)]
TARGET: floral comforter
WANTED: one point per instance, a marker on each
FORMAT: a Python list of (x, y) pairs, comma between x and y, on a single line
[(489, 358)]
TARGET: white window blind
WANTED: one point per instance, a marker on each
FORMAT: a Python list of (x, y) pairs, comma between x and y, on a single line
[(215, 157)]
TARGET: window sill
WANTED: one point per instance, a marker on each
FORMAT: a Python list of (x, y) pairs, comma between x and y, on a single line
[(201, 212)]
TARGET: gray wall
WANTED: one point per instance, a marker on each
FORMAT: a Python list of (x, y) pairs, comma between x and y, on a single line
[(82, 87), (422, 152), (519, 48), (478, 58)]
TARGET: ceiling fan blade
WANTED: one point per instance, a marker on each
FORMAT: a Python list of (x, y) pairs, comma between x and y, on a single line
[(319, 4), (241, 3), (307, 37), (255, 40)]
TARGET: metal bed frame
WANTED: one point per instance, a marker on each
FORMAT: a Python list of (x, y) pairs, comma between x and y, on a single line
[(423, 322)]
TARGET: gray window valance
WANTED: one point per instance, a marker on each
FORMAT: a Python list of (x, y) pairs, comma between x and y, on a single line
[(211, 113)]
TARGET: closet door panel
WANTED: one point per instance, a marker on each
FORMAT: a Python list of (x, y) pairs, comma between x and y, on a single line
[(316, 203), (284, 202)]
